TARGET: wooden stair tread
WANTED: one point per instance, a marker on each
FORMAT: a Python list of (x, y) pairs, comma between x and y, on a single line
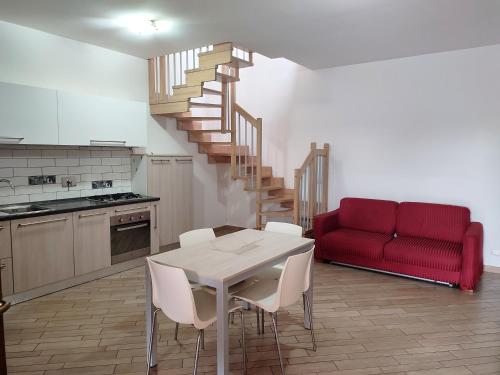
[(277, 200), (279, 213), (204, 105), (208, 91), (265, 188), (198, 118)]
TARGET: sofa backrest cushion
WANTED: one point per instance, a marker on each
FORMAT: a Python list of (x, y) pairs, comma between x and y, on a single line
[(434, 221), (371, 215)]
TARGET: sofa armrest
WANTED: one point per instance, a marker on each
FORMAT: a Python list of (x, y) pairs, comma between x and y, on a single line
[(323, 224), (472, 256)]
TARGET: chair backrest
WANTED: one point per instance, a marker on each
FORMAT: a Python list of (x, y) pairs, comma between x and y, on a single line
[(287, 228), (196, 236), (294, 279), (172, 293)]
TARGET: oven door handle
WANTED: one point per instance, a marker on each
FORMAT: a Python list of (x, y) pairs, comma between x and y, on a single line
[(122, 229)]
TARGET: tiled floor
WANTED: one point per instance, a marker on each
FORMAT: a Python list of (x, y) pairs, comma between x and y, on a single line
[(367, 324)]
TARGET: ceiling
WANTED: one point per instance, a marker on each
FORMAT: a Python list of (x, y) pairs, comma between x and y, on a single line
[(314, 33)]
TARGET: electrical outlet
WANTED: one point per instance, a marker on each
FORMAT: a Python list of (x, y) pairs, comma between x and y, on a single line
[(495, 252), (68, 181)]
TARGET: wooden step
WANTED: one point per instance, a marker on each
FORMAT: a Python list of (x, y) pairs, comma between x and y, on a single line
[(169, 108), (267, 172), (279, 213), (223, 149), (199, 76), (265, 188), (208, 91), (204, 105), (198, 126), (185, 92), (219, 159), (209, 137), (281, 192), (279, 199), (197, 118)]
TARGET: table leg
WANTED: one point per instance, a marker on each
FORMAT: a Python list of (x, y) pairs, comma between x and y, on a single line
[(222, 330), (309, 293), (149, 318)]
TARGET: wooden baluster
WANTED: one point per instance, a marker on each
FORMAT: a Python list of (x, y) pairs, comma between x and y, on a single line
[(223, 125), (245, 149), (296, 196), (258, 126), (233, 129), (153, 97), (325, 178), (163, 81)]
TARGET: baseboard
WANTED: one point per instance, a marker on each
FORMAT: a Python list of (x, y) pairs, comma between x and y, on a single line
[(492, 269)]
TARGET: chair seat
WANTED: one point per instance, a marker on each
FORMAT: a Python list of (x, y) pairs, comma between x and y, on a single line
[(442, 255), (262, 294), (352, 242), (206, 307), (272, 273)]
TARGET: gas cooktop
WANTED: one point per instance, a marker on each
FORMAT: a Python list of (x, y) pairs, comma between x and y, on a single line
[(118, 197)]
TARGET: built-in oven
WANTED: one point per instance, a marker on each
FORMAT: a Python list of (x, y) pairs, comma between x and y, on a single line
[(130, 236)]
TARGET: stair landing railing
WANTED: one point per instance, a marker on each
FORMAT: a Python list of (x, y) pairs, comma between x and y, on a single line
[(246, 155), (311, 187)]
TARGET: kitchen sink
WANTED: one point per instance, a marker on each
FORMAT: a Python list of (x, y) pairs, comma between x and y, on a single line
[(22, 209)]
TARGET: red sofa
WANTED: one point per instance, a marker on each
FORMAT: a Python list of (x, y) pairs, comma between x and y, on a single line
[(430, 241)]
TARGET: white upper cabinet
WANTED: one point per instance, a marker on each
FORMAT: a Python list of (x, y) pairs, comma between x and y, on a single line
[(94, 120), (28, 115)]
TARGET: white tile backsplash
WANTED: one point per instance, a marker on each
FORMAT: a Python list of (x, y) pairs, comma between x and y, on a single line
[(85, 164)]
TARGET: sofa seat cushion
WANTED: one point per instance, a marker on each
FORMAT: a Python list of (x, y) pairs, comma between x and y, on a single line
[(355, 243), (423, 252)]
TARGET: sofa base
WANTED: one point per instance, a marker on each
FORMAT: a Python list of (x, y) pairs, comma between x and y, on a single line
[(390, 273)]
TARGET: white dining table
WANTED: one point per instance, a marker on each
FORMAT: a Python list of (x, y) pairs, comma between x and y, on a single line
[(223, 262)]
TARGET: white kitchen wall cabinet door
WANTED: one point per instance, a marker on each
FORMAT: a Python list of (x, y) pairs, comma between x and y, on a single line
[(28, 115), (95, 120)]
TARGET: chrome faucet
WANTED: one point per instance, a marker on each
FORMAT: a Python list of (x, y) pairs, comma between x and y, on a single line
[(8, 182)]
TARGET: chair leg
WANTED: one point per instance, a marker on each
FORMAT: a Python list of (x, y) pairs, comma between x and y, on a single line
[(258, 319), (232, 318), (243, 342), (203, 339), (197, 355), (275, 326), (309, 312), (153, 326), (176, 334)]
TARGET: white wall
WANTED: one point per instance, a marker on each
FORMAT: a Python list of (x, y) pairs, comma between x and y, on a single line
[(35, 58), (424, 128)]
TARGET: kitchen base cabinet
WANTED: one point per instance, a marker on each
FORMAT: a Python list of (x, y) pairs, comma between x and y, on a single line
[(92, 246), (171, 179), (42, 250), (5, 242), (6, 274)]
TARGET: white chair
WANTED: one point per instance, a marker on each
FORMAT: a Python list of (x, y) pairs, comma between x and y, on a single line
[(274, 272), (270, 295), (173, 295), (194, 237)]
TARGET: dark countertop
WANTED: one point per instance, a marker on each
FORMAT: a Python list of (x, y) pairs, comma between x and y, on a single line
[(60, 206)]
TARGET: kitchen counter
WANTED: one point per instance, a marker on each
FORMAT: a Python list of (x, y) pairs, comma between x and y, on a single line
[(60, 206)]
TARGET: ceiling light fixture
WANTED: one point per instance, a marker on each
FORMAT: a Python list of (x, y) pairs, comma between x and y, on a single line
[(145, 26)]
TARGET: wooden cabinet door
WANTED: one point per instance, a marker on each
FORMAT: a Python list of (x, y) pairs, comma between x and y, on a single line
[(5, 241), (42, 250), (183, 196), (161, 184), (85, 118), (29, 115), (92, 243), (155, 227), (6, 276)]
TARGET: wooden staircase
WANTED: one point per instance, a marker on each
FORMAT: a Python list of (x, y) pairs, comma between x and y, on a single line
[(201, 95)]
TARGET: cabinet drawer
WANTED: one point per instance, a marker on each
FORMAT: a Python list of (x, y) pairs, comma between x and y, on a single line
[(42, 250), (7, 280), (131, 208), (5, 243)]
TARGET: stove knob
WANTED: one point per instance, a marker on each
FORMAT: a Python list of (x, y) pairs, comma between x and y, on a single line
[(120, 220), (141, 217), (131, 218)]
